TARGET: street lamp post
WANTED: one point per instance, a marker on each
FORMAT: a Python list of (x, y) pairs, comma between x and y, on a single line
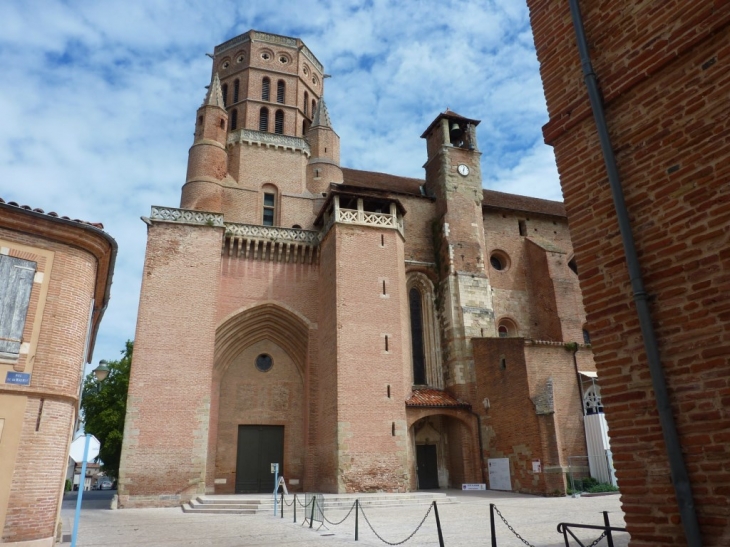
[(100, 373)]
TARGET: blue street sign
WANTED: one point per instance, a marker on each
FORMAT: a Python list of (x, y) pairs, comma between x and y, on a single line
[(18, 378)]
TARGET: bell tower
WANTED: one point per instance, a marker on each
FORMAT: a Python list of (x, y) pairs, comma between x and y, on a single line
[(453, 176)]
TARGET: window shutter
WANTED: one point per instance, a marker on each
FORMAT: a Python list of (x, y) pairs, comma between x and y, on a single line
[(16, 283)]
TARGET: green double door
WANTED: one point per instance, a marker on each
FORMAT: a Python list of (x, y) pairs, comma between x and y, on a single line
[(258, 447)]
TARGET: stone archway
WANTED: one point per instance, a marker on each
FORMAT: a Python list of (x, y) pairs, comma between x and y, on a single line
[(454, 437), (259, 378)]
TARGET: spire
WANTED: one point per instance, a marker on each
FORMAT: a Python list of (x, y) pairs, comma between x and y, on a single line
[(321, 116), (214, 97)]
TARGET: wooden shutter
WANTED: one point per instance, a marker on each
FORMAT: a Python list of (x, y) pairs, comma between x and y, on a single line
[(16, 283)]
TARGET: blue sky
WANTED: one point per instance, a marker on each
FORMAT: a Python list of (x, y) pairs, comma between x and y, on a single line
[(98, 100)]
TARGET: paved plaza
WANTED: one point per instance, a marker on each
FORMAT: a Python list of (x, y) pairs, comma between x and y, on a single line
[(464, 524)]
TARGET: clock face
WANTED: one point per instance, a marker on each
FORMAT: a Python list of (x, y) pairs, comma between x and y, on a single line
[(463, 170)]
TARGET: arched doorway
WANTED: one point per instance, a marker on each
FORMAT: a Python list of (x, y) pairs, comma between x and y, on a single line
[(259, 401), (444, 447)]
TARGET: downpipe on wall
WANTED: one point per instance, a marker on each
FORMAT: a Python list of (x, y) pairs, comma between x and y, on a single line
[(680, 478)]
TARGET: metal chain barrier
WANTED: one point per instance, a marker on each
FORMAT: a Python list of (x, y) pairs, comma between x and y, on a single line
[(328, 521), (603, 535), (400, 542), (305, 505), (523, 540), (289, 504)]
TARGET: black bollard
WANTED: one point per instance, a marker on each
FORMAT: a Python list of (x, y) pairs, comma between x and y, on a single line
[(314, 502), (491, 525), (357, 511), (282, 505), (609, 536), (295, 508), (438, 524)]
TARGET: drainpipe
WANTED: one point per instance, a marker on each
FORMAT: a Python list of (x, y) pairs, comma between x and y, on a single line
[(680, 478)]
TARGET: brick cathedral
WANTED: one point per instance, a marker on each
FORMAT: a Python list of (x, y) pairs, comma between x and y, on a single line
[(366, 331)]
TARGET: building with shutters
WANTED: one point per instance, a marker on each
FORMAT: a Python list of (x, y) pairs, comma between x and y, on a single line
[(357, 328), (55, 278)]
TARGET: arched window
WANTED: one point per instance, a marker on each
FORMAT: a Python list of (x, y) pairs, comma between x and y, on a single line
[(224, 89), (234, 119), (306, 103), (425, 340), (265, 89), (279, 122), (264, 119), (506, 328), (419, 357), (236, 88), (280, 91)]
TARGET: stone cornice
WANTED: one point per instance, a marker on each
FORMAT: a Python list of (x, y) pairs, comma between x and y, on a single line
[(186, 216), (273, 140)]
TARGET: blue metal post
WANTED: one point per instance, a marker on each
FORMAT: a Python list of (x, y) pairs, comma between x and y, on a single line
[(82, 480)]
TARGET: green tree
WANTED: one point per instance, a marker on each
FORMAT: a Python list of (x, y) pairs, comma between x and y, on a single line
[(104, 407)]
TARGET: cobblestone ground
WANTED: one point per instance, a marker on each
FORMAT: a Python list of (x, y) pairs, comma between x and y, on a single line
[(465, 523)]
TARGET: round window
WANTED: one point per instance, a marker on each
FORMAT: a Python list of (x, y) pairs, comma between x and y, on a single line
[(499, 261), (225, 65), (264, 362), (240, 59), (265, 56), (283, 60)]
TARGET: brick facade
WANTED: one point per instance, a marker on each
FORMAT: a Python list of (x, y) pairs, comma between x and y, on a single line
[(73, 262), (663, 73), (365, 289)]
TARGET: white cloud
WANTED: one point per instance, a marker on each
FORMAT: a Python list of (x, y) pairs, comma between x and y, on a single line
[(98, 100)]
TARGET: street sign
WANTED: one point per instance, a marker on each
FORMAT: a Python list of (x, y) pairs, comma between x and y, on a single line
[(18, 378)]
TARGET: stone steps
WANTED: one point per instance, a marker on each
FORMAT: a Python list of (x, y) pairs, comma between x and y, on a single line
[(248, 505)]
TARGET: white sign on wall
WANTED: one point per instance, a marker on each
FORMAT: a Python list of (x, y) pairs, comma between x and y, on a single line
[(499, 476)]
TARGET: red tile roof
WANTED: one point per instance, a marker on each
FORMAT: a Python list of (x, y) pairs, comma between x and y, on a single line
[(434, 398), (412, 186), (51, 214)]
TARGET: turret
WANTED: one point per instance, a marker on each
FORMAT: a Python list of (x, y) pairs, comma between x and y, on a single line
[(323, 167), (207, 158)]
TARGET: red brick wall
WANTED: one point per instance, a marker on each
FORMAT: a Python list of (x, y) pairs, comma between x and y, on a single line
[(371, 457), (664, 70), (170, 386)]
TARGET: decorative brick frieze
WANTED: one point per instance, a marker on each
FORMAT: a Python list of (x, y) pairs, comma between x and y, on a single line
[(186, 216), (271, 243), (271, 140)]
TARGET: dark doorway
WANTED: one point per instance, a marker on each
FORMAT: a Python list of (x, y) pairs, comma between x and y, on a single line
[(258, 447), (428, 475)]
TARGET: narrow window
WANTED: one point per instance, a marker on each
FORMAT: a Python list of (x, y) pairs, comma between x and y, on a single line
[(419, 357), (269, 204), (40, 414), (573, 265), (314, 107), (382, 240), (280, 91), (388, 391), (386, 342), (279, 122), (306, 103), (234, 119), (224, 89), (383, 286), (503, 331), (586, 337), (16, 284), (264, 119), (200, 120), (523, 227), (223, 123), (265, 87), (236, 87), (304, 127), (392, 429)]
